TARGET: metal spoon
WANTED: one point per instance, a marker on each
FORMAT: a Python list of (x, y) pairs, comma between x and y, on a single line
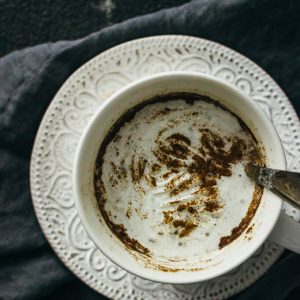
[(285, 184)]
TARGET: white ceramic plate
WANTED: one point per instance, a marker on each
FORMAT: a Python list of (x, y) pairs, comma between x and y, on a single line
[(67, 116)]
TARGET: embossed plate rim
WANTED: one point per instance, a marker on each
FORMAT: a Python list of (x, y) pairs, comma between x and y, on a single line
[(139, 42)]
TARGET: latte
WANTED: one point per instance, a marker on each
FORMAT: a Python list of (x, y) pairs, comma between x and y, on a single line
[(170, 180)]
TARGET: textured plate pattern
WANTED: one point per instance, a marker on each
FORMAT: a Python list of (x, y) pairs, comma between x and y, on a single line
[(67, 116)]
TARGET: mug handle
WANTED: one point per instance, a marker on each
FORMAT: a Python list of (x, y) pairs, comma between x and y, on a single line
[(286, 233)]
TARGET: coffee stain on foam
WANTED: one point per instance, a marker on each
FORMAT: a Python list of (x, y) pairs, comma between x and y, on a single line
[(205, 168), (212, 160), (249, 233), (250, 229), (238, 230)]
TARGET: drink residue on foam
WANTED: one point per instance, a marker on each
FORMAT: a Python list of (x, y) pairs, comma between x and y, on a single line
[(170, 180)]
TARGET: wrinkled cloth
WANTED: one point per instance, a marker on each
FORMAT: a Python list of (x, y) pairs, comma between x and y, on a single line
[(266, 31)]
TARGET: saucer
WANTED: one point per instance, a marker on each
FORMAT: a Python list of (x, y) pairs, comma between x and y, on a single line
[(66, 118)]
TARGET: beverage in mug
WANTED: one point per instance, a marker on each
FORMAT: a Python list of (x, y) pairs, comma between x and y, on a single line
[(160, 184), (169, 178)]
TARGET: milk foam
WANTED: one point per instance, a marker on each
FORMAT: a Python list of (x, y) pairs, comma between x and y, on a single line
[(141, 203)]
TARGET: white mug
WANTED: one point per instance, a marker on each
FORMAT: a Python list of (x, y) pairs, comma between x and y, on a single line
[(269, 222)]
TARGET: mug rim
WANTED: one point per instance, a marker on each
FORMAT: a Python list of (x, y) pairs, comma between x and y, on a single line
[(87, 131)]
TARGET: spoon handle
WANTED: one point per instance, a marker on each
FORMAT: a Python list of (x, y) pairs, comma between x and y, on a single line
[(285, 184)]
